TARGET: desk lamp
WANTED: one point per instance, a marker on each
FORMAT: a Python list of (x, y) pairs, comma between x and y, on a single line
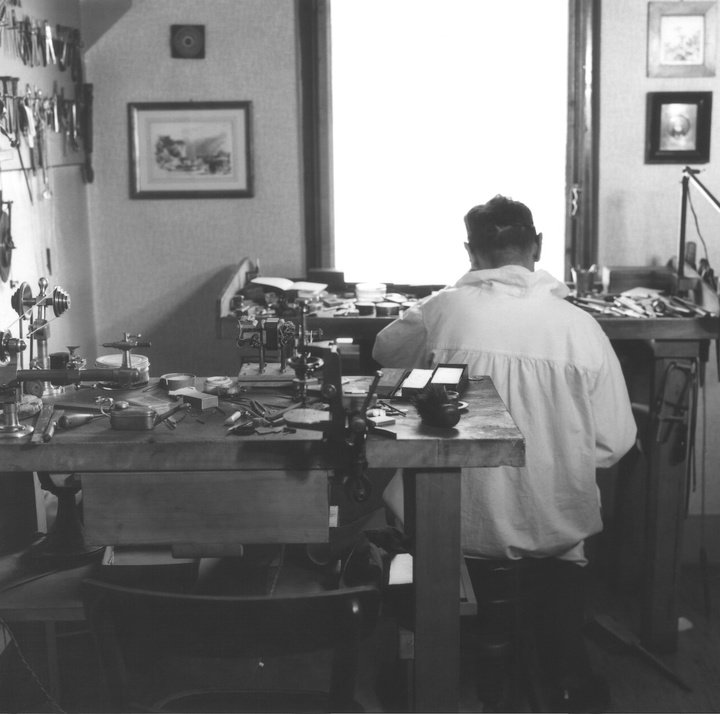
[(688, 176)]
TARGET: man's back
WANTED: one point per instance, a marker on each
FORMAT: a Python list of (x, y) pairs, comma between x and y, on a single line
[(559, 378)]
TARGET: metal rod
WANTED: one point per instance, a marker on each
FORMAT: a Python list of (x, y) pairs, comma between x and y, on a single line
[(683, 221), (690, 175), (50, 166)]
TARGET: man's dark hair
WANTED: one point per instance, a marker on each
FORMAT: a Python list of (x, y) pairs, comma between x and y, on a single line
[(500, 227)]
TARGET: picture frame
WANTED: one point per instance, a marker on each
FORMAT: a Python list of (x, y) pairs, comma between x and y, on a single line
[(190, 150), (678, 127), (682, 39)]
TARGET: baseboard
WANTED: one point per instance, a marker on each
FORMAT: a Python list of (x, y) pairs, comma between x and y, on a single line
[(694, 527)]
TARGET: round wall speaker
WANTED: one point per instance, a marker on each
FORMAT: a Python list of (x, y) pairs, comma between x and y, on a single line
[(187, 41)]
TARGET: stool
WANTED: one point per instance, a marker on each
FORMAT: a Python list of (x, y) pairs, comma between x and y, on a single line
[(529, 646)]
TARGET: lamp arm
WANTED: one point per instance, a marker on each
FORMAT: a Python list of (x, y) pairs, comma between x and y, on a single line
[(702, 188), (688, 176)]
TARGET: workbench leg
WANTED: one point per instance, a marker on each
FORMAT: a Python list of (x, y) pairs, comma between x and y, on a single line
[(666, 504), (436, 574)]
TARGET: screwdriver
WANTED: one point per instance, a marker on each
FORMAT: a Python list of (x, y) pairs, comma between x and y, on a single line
[(70, 421)]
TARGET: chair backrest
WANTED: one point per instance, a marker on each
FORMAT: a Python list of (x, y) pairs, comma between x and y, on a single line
[(127, 621)]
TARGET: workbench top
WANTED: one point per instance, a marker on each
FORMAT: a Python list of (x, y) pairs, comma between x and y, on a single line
[(485, 436)]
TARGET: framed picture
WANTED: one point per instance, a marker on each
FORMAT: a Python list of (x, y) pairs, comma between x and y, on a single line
[(678, 127), (190, 150), (681, 39)]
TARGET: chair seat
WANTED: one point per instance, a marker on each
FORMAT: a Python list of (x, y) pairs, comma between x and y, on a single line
[(190, 652)]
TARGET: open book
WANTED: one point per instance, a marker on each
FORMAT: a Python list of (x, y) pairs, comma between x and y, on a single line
[(305, 288)]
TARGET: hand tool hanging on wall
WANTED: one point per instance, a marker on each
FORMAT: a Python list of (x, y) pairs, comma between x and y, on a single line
[(29, 106), (3, 22), (6, 242), (75, 58), (49, 53), (74, 126), (9, 123), (37, 40), (43, 158), (87, 114), (9, 96)]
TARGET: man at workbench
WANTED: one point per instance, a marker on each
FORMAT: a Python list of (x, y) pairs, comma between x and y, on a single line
[(560, 379)]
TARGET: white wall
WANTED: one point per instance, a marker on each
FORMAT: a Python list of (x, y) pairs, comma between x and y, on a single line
[(640, 203), (159, 265)]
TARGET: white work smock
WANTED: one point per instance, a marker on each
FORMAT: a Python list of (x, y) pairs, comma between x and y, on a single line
[(561, 381)]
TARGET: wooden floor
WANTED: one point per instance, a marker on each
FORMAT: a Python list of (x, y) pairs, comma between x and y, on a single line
[(636, 685)]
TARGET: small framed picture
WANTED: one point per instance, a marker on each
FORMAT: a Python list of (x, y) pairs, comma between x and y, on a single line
[(681, 39), (190, 150), (678, 127)]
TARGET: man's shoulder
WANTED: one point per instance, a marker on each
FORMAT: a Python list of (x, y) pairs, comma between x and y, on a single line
[(577, 314)]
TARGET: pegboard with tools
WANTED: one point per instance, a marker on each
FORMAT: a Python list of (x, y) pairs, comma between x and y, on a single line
[(45, 107), (44, 162)]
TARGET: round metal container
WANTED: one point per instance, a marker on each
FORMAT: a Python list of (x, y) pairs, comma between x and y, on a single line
[(138, 362), (387, 309)]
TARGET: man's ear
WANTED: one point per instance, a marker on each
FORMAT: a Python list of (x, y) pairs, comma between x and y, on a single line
[(471, 256), (538, 247)]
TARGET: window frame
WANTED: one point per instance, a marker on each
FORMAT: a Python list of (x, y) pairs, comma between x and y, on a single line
[(581, 174)]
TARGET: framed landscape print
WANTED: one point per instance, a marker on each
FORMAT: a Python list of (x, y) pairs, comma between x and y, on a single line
[(190, 150)]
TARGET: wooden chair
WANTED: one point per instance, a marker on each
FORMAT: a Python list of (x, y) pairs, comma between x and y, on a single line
[(136, 629)]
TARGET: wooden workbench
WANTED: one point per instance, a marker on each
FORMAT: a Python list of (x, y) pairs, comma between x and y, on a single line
[(647, 348), (199, 450)]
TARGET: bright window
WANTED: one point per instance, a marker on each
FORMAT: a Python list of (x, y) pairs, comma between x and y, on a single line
[(436, 107)]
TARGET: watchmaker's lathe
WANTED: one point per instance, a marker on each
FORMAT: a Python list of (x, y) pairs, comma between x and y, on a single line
[(10, 396), (272, 348), (34, 310), (11, 391), (266, 343), (140, 363)]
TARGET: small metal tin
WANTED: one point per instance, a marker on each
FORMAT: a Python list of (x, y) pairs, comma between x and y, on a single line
[(133, 418)]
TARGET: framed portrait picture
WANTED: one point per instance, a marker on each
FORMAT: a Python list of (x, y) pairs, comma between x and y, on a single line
[(190, 150), (678, 127), (681, 39)]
